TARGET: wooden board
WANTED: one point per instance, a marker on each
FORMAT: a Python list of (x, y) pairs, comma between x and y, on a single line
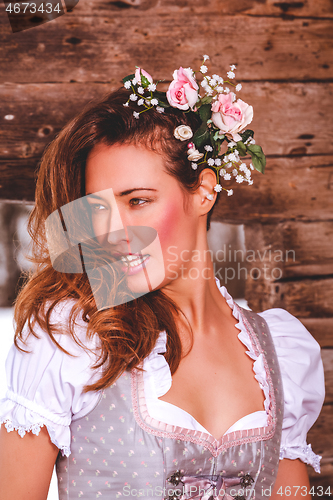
[(327, 357), (298, 248), (300, 128), (280, 8), (321, 329), (105, 45)]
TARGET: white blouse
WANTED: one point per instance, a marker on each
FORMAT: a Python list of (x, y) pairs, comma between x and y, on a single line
[(45, 385)]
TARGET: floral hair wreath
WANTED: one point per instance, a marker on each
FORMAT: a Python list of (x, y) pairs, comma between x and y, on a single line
[(223, 118)]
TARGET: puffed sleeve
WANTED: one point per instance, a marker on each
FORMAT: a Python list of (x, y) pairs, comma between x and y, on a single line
[(45, 385), (303, 383)]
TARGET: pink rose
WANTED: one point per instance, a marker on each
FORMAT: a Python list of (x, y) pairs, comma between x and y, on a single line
[(183, 90), (231, 116), (139, 72)]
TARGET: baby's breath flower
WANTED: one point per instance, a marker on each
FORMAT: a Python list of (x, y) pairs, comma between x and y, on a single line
[(141, 90), (127, 84), (208, 148), (235, 172), (239, 87), (248, 174), (194, 165), (227, 176), (159, 109), (231, 75), (251, 166), (213, 82), (134, 81), (125, 104), (203, 69), (218, 188), (133, 97), (232, 157), (239, 178), (229, 164), (136, 114), (219, 89), (231, 144), (141, 102), (205, 57), (227, 90), (152, 87), (154, 102), (230, 192), (232, 67), (250, 182), (210, 162), (221, 81), (243, 167), (218, 162), (209, 196), (222, 171)]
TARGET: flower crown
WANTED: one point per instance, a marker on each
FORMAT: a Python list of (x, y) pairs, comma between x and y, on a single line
[(223, 118)]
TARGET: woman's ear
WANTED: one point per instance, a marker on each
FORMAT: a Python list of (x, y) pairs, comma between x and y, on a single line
[(206, 195)]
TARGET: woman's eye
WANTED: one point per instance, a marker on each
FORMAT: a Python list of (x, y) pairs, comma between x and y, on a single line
[(138, 201), (97, 207)]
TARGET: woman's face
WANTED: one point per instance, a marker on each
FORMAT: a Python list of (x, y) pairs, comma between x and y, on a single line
[(133, 191)]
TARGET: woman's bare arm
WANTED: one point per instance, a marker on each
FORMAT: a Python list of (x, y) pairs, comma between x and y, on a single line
[(292, 481), (26, 465)]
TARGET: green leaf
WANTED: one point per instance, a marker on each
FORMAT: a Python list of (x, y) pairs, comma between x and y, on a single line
[(144, 81), (241, 148), (205, 112), (206, 100), (246, 134), (129, 77), (218, 137), (163, 104), (258, 157), (201, 136)]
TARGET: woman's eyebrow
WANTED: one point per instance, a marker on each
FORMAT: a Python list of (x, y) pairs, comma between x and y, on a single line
[(129, 191)]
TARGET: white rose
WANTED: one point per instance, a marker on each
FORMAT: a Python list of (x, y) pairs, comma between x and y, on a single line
[(183, 133), (194, 154)]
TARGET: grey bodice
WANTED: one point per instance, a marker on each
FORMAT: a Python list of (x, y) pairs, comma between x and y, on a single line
[(118, 450)]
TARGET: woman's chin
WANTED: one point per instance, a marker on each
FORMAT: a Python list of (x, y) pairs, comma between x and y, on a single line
[(145, 275)]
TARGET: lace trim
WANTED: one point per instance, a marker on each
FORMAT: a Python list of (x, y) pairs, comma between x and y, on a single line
[(35, 429), (307, 455)]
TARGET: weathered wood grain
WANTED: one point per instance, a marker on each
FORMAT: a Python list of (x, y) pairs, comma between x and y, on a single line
[(292, 188), (327, 357), (290, 266), (321, 329), (305, 298), (105, 45), (288, 10), (298, 248), (287, 118)]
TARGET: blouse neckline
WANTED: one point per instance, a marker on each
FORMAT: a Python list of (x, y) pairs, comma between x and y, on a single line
[(156, 381)]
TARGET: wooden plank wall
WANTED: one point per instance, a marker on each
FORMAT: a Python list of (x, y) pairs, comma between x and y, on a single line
[(283, 51)]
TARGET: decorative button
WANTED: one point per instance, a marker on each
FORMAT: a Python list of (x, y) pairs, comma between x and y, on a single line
[(246, 480)]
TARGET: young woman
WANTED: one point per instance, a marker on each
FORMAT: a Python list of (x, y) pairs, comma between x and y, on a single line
[(166, 388)]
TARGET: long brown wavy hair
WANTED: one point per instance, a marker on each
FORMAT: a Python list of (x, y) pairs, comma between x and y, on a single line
[(127, 332)]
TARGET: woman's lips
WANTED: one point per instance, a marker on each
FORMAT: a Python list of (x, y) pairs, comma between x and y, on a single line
[(134, 263)]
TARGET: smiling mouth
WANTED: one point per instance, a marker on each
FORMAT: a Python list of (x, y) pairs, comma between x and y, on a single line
[(134, 260)]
